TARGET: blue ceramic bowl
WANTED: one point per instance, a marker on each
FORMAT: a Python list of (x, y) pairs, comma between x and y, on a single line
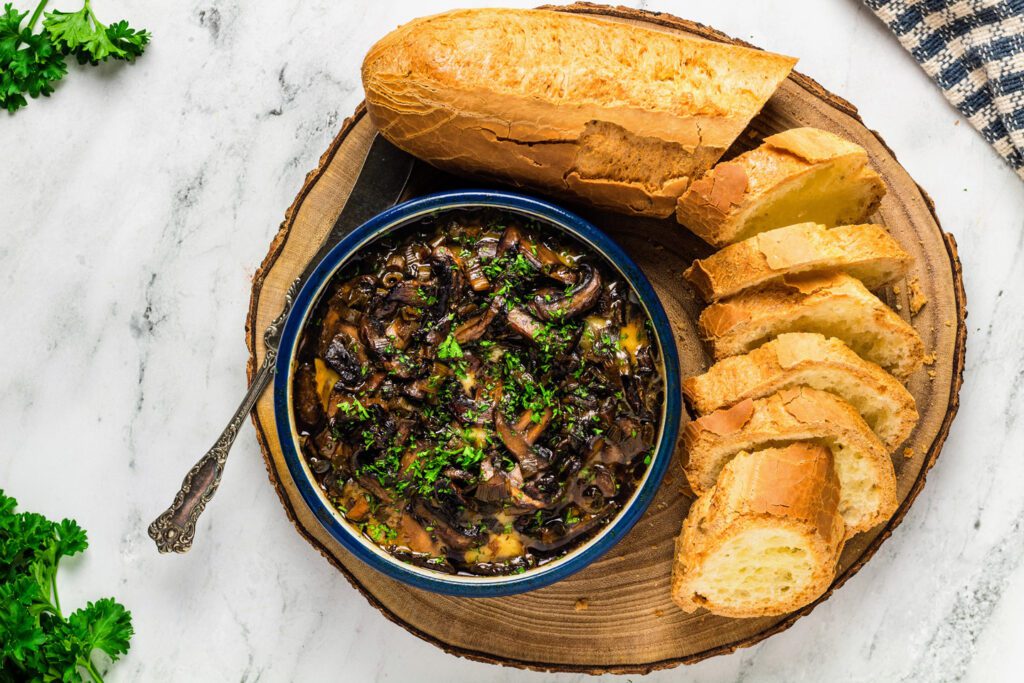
[(347, 535)]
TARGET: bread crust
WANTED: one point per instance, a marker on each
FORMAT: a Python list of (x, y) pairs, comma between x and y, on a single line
[(718, 205), (795, 414), (801, 358), (806, 303), (794, 488), (570, 104), (867, 252)]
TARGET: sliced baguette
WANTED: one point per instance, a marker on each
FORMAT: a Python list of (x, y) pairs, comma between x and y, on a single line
[(812, 360), (765, 539), (834, 305), (799, 175), (615, 113), (866, 476), (867, 252)]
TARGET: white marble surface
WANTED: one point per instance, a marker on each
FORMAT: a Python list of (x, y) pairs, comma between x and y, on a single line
[(136, 203)]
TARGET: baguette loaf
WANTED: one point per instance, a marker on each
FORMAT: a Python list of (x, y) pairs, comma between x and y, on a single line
[(617, 114), (765, 539), (867, 252), (835, 305), (866, 476), (804, 359), (799, 175)]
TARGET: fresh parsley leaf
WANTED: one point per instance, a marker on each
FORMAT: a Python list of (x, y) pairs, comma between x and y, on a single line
[(69, 29), (71, 538), (36, 641), (103, 625), (31, 63), (84, 36), (126, 39)]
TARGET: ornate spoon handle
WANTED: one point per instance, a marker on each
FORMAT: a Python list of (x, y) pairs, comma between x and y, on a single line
[(174, 530)]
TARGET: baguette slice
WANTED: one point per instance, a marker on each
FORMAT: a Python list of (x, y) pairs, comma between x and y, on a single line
[(801, 358), (617, 114), (834, 305), (799, 175), (866, 476), (867, 252), (765, 539)]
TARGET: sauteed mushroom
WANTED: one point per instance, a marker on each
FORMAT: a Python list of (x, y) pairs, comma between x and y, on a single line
[(550, 305), (477, 396)]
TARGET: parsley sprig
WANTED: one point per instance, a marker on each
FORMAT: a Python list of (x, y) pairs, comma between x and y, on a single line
[(37, 642), (31, 63)]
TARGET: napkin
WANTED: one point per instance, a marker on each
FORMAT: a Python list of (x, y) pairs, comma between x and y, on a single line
[(974, 51)]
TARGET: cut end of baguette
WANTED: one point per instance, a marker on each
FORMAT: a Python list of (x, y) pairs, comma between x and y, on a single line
[(866, 474), (806, 359), (763, 569), (800, 175), (833, 305), (765, 539), (867, 252)]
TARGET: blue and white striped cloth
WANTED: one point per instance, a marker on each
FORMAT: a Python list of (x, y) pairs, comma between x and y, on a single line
[(974, 51)]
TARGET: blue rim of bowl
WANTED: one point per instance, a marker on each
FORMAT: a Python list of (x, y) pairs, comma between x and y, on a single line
[(347, 535)]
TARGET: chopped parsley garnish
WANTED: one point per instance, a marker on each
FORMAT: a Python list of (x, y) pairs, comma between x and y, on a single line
[(354, 406), (449, 348)]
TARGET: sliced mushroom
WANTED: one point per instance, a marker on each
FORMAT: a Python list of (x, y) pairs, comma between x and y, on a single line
[(475, 274), (371, 331), (416, 266), (632, 393), (537, 255), (474, 328), (374, 487), (449, 279), (346, 356), (552, 305), (356, 501), (551, 540), (493, 485), (531, 430), (470, 412), (524, 502), (530, 461), (326, 448), (524, 324), (450, 533), (308, 408), (410, 292), (413, 536)]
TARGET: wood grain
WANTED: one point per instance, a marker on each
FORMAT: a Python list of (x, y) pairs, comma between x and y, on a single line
[(630, 624)]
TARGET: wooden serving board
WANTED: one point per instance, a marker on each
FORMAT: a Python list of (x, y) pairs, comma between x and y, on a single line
[(616, 616)]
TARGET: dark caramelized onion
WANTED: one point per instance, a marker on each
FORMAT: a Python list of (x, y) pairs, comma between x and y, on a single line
[(478, 393)]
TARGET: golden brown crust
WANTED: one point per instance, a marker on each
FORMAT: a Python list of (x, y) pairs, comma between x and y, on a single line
[(569, 104), (813, 145), (867, 252), (795, 414), (722, 422), (813, 360), (833, 304), (721, 211), (793, 488)]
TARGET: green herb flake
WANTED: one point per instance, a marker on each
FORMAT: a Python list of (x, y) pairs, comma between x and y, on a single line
[(449, 348)]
